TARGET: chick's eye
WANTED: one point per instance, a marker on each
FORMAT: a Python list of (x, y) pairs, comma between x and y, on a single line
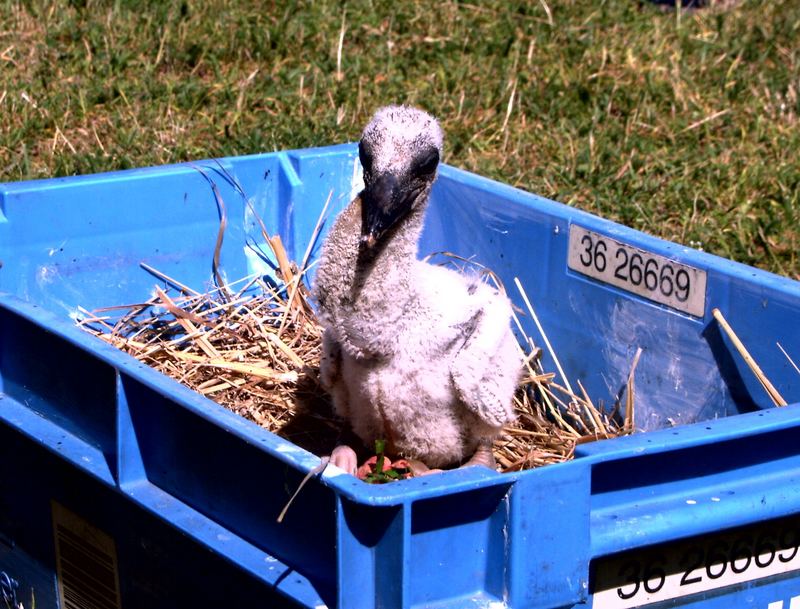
[(427, 163), (365, 157)]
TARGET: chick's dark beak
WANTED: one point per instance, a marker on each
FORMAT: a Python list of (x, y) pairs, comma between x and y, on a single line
[(384, 202)]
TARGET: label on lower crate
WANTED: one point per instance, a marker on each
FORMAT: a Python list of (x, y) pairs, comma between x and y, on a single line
[(86, 563), (638, 271), (669, 571)]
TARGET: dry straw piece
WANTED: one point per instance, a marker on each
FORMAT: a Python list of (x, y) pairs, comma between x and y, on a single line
[(773, 394)]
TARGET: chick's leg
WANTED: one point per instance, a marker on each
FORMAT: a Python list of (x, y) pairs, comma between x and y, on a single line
[(483, 456)]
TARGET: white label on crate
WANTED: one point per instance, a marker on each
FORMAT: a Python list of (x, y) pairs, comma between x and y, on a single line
[(635, 579), (638, 271), (86, 563)]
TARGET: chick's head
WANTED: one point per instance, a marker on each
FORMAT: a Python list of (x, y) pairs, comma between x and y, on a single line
[(400, 150)]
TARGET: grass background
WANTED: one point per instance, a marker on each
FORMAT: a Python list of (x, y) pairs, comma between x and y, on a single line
[(682, 124)]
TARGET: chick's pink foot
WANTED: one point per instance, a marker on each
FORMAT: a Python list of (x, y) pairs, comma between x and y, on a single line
[(483, 456), (418, 468), (345, 458)]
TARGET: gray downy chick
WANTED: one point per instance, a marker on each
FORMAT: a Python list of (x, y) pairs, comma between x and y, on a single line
[(415, 354)]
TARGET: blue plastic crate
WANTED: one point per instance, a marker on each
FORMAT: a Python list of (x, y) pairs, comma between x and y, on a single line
[(135, 491)]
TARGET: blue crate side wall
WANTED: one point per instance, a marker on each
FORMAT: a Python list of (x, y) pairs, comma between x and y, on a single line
[(687, 373), (80, 242)]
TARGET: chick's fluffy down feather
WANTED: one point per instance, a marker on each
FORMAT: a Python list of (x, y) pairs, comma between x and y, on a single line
[(440, 377)]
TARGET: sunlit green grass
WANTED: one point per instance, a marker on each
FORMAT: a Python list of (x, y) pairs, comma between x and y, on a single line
[(682, 124)]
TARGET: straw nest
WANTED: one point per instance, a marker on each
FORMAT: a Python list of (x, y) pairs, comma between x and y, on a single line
[(254, 346)]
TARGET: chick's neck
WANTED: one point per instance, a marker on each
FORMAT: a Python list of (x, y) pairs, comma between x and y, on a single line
[(385, 270)]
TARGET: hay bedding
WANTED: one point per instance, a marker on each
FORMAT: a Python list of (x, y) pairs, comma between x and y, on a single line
[(254, 346)]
